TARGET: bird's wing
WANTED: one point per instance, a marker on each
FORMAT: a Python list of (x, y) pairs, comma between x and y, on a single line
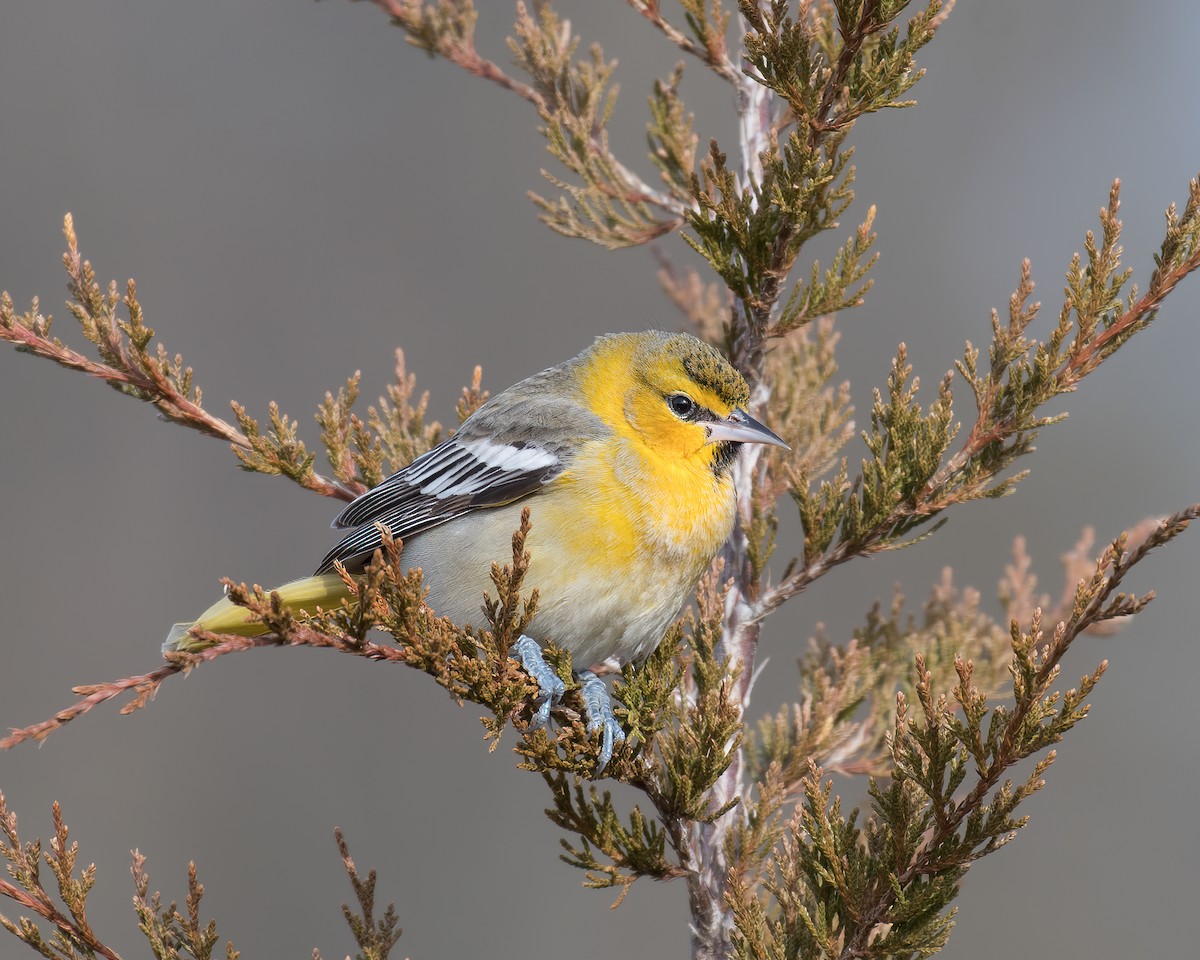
[(511, 447)]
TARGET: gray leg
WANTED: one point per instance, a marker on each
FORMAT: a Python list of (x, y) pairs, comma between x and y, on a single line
[(551, 686), (598, 706)]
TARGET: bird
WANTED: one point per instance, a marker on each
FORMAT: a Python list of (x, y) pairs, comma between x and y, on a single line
[(624, 456)]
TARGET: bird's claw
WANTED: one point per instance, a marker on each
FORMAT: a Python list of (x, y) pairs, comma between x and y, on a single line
[(550, 685), (596, 701), (598, 706)]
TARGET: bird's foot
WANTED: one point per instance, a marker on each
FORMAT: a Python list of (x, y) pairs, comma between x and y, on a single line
[(549, 683), (598, 706)]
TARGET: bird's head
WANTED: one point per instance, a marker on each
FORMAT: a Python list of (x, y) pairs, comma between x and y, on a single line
[(674, 392)]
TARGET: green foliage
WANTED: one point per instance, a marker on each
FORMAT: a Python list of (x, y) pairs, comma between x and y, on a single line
[(672, 140), (839, 287), (907, 445), (751, 228), (395, 432), (351, 450), (170, 933), (679, 707), (280, 451), (375, 938), (833, 888), (752, 234), (1094, 321), (638, 850), (360, 452), (936, 710), (707, 22), (72, 936), (440, 28), (856, 39), (173, 935), (126, 362), (910, 478), (609, 206)]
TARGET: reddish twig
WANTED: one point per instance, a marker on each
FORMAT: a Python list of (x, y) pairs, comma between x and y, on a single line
[(125, 363), (714, 55), (146, 685), (462, 53), (24, 867), (460, 50), (47, 911)]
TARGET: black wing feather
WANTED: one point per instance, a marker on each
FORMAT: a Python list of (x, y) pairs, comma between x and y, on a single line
[(407, 508), (510, 447)]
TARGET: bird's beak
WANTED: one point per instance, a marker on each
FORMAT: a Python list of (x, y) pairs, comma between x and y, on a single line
[(740, 427)]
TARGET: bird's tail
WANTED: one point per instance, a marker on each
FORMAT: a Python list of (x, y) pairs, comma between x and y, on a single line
[(325, 590)]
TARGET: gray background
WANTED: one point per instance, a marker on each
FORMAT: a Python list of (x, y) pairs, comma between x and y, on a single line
[(298, 192)]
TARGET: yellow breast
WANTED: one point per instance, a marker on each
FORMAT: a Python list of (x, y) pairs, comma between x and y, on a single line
[(616, 552), (625, 543)]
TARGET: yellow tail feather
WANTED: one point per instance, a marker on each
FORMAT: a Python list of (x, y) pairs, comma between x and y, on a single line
[(325, 590)]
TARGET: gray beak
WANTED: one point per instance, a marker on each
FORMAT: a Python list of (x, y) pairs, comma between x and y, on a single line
[(740, 427)]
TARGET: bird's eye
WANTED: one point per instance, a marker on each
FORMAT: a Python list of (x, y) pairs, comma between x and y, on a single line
[(681, 405)]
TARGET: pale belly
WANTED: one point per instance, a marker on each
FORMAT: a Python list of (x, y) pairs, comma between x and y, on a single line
[(619, 605)]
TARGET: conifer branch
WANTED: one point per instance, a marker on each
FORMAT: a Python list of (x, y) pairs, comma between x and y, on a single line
[(708, 22), (394, 433), (1035, 721), (375, 938), (832, 887), (127, 365), (73, 936), (763, 880), (447, 29), (751, 229), (171, 933), (471, 664), (909, 479), (613, 206)]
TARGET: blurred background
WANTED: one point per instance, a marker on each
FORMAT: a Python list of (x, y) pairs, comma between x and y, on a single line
[(298, 193)]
